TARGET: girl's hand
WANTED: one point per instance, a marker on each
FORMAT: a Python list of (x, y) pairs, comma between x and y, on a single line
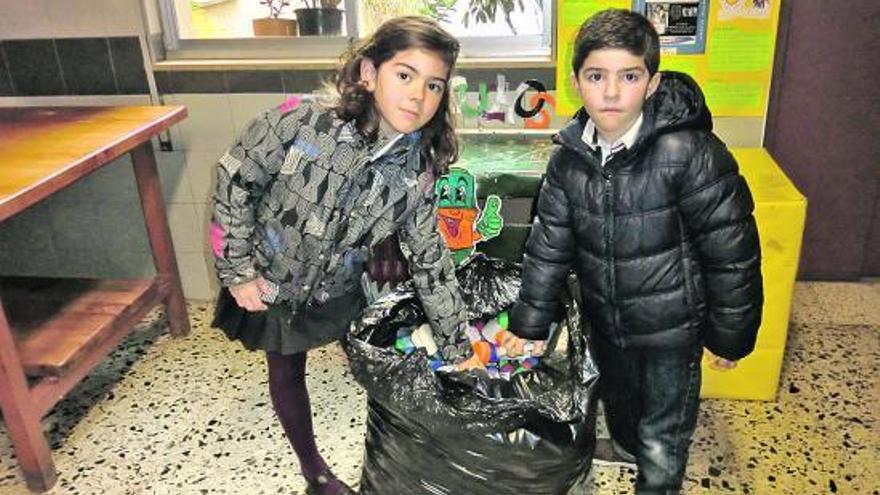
[(247, 295), (718, 363)]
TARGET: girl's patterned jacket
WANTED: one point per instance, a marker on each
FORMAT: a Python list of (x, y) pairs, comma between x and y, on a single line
[(298, 201)]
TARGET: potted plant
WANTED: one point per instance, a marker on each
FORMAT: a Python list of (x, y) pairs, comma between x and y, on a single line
[(274, 24), (319, 17)]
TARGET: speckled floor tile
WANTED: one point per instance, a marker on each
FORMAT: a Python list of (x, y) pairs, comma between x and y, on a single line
[(838, 303), (193, 416)]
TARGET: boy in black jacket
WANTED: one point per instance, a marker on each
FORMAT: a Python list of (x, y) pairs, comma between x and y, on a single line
[(648, 206)]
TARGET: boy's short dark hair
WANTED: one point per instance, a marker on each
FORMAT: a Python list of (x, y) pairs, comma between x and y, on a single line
[(617, 28)]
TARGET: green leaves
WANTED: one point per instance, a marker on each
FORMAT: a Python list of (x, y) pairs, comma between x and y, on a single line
[(441, 10), (275, 7), (478, 11)]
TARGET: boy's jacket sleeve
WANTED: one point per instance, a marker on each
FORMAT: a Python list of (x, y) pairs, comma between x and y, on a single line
[(433, 275), (546, 261), (716, 207), (243, 173)]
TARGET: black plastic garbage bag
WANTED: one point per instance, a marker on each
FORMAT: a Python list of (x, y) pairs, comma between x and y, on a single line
[(467, 433)]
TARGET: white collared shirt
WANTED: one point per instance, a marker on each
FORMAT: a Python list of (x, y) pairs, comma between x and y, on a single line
[(592, 138)]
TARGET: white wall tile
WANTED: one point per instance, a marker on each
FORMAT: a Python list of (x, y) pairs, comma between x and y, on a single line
[(203, 215), (213, 283), (26, 242), (246, 106), (136, 263), (196, 276), (184, 224), (209, 125), (200, 167), (172, 173), (114, 182), (174, 131), (76, 18), (116, 226), (122, 17), (79, 262), (24, 19)]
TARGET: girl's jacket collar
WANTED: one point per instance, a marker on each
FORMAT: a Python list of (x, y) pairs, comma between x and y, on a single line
[(349, 133)]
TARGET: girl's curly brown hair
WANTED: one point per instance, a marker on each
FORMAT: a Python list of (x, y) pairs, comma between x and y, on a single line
[(356, 103)]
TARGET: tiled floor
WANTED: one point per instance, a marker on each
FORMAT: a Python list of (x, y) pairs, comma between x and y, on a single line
[(193, 416)]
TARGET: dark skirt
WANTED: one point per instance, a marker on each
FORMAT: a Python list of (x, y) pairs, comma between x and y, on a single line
[(277, 330)]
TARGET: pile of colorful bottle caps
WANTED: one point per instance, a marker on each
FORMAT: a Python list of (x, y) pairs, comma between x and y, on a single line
[(489, 340)]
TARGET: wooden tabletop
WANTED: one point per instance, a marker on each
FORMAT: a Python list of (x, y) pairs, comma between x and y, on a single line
[(44, 149)]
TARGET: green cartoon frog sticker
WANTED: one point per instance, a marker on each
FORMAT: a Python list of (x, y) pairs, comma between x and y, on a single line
[(461, 221)]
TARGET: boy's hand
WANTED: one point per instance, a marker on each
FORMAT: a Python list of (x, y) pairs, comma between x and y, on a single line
[(718, 363), (247, 295), (515, 346)]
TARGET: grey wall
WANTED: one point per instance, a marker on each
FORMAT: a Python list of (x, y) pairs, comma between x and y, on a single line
[(871, 268), (822, 128)]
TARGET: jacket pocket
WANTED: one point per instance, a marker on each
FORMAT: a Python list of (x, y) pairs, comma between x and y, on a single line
[(693, 281)]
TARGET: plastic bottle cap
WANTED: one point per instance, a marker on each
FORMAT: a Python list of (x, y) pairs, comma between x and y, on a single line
[(483, 350), (503, 319)]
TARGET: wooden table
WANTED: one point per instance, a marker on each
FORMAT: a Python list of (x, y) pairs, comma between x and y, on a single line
[(54, 331)]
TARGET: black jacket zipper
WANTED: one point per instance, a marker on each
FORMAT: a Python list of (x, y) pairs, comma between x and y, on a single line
[(609, 250)]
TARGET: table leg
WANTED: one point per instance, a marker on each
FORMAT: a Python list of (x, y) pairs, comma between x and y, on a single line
[(160, 236), (23, 424)]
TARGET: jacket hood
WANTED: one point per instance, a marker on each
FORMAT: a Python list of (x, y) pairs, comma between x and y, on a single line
[(677, 104)]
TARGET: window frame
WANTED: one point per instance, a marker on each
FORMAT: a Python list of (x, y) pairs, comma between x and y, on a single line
[(538, 49)]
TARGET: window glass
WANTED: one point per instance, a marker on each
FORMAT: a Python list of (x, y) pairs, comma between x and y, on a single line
[(213, 19), (205, 29), (459, 18)]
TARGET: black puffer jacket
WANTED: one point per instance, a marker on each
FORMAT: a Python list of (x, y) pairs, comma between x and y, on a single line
[(662, 237)]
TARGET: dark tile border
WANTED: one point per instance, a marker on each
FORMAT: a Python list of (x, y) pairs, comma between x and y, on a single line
[(305, 81), (6, 87), (198, 81), (115, 65), (163, 82), (72, 66), (86, 67), (254, 81), (34, 67), (128, 65)]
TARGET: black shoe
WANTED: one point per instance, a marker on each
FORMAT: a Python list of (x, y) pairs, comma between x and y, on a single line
[(320, 485)]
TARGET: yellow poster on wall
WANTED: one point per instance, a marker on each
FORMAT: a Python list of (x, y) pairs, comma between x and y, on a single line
[(725, 45)]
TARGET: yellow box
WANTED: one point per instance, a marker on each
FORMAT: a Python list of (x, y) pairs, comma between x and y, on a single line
[(755, 378), (778, 292), (780, 212)]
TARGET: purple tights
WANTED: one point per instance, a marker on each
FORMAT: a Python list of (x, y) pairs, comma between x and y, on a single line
[(290, 397)]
